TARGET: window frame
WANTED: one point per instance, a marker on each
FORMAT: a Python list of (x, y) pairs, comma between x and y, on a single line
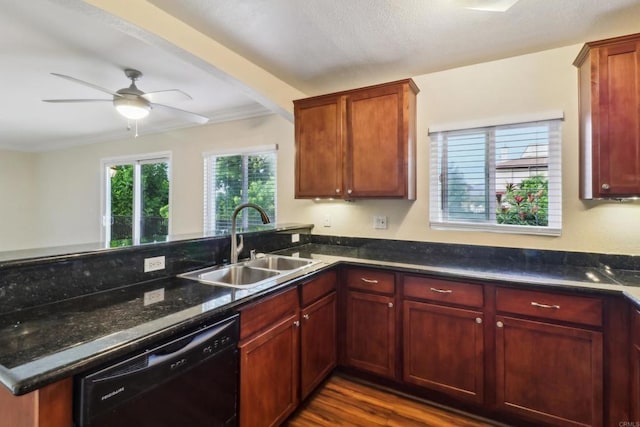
[(209, 207), (438, 219), (137, 160)]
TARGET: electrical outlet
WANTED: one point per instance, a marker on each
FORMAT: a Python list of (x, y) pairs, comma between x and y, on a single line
[(295, 238), (154, 264), (327, 221), (380, 222)]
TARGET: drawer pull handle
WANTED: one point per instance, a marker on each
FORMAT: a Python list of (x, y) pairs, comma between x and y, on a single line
[(537, 304), (500, 324), (390, 305), (478, 320), (296, 323), (372, 281), (306, 316), (442, 291)]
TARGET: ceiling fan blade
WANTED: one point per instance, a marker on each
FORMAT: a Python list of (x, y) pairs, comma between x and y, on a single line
[(82, 82), (169, 95), (187, 115), (77, 100)]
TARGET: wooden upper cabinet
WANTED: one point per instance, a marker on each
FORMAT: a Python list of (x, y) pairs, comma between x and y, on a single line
[(319, 153), (609, 83), (358, 143)]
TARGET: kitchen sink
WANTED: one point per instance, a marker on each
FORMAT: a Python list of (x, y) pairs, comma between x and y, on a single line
[(253, 273), (280, 263), (240, 275)]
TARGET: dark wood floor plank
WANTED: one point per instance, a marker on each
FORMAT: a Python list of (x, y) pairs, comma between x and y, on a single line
[(343, 402)]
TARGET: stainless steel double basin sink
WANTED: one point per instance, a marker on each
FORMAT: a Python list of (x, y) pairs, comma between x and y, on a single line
[(249, 274)]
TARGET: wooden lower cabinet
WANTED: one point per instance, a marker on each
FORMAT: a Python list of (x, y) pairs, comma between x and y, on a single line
[(444, 349), (371, 333), (286, 352), (50, 406), (269, 375), (269, 360), (318, 343), (548, 373), (635, 366)]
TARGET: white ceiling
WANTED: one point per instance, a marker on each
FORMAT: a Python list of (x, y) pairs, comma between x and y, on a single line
[(317, 46)]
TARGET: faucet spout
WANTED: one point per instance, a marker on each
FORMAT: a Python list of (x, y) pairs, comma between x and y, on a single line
[(235, 249)]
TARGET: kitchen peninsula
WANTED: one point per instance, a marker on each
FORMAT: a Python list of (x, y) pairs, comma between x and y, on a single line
[(490, 285)]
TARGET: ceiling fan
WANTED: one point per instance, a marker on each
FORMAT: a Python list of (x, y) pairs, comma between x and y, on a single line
[(133, 103)]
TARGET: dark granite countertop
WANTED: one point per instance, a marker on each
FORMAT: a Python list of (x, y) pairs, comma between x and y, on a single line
[(42, 344), (575, 278), (46, 343)]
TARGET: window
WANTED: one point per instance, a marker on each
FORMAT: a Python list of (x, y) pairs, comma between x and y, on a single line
[(233, 178), (136, 199), (498, 178)]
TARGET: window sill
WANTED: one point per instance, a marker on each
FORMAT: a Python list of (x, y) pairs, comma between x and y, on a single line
[(497, 228)]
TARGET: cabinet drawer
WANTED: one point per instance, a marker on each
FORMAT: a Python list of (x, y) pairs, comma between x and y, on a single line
[(317, 287), (430, 289), (568, 308), (268, 311), (371, 280)]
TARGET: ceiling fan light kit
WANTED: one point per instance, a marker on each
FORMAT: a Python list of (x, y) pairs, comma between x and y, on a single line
[(131, 102), (132, 108)]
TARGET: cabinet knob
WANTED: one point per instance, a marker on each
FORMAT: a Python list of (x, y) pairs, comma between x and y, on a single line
[(606, 186), (390, 305), (305, 316), (296, 323), (499, 324), (337, 190), (349, 191), (478, 320)]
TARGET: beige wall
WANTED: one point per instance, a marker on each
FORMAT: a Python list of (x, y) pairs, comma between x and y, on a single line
[(17, 201), (72, 178), (532, 83)]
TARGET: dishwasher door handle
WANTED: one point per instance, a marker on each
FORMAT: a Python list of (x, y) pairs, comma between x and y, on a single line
[(156, 359)]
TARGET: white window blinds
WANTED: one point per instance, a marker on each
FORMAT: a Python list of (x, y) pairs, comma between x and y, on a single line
[(233, 178), (503, 178)]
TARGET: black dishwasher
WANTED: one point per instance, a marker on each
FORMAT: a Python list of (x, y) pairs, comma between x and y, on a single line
[(190, 381)]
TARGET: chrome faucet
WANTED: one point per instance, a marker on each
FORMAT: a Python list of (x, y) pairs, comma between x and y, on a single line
[(235, 247)]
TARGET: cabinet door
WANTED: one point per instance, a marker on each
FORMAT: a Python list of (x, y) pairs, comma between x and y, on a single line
[(318, 346), (49, 406), (370, 335), (618, 119), (319, 156), (376, 147), (549, 373), (635, 367), (443, 349), (269, 375)]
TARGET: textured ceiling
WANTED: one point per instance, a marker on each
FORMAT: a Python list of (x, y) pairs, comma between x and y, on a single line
[(38, 37), (319, 46), (316, 46)]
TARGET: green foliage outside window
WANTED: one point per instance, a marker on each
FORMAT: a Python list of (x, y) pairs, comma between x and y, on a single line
[(526, 203), (241, 179), (154, 203)]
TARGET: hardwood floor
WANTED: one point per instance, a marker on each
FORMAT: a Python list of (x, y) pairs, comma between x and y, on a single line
[(342, 402)]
